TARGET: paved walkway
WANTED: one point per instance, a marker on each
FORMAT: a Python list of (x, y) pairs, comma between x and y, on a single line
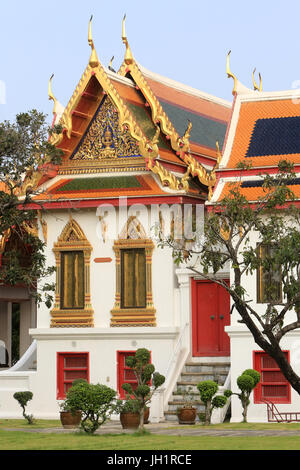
[(171, 429)]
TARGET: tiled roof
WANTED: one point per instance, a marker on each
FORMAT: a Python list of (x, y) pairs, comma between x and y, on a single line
[(101, 187), (209, 118), (266, 132), (253, 189)]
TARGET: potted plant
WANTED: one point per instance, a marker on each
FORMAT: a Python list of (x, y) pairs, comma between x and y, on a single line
[(130, 414), (145, 375), (70, 418), (187, 413)]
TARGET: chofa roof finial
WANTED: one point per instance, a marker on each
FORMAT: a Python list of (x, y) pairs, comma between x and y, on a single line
[(94, 61), (230, 74), (128, 54), (51, 96), (256, 87)]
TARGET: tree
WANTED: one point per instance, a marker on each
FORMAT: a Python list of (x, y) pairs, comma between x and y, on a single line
[(208, 390), (144, 372), (24, 148), (23, 398), (227, 240), (95, 401), (246, 383)]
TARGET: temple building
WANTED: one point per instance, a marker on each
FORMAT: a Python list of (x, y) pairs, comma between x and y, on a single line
[(139, 151)]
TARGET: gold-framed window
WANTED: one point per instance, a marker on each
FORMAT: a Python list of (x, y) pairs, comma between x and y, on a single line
[(72, 280), (133, 278), (72, 306), (269, 284), (133, 300)]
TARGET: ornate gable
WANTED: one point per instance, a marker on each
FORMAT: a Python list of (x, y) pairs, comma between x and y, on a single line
[(104, 139)]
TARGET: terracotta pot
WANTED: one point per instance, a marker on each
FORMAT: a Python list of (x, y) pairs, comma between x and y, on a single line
[(69, 420), (132, 420), (187, 415)]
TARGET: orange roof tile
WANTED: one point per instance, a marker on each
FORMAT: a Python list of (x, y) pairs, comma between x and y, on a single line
[(252, 194), (249, 113)]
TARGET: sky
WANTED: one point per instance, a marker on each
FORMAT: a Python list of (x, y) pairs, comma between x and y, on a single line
[(185, 40)]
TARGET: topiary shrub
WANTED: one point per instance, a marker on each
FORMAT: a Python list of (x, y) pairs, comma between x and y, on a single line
[(144, 372), (246, 383), (23, 398), (95, 401), (208, 390)]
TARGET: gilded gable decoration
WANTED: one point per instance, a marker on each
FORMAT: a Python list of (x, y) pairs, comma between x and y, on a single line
[(72, 240), (104, 139)]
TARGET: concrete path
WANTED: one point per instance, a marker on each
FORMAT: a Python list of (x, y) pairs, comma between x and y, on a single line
[(168, 428)]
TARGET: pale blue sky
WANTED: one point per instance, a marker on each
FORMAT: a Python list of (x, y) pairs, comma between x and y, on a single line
[(186, 40)]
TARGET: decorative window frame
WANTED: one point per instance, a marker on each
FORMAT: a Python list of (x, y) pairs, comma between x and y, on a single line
[(133, 236), (72, 238), (121, 368), (60, 394), (258, 391)]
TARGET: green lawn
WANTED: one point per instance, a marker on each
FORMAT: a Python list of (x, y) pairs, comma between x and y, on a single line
[(20, 440)]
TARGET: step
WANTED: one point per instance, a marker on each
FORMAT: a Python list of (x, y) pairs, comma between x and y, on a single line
[(206, 367), (209, 375)]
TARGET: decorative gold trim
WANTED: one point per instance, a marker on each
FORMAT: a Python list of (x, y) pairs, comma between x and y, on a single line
[(180, 145), (3, 240), (72, 238), (43, 225), (133, 316)]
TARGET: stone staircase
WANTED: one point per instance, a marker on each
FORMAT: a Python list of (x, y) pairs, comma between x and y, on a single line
[(193, 373)]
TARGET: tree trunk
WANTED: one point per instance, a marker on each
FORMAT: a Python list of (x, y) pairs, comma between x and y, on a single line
[(271, 346), (245, 408), (141, 426), (207, 412)]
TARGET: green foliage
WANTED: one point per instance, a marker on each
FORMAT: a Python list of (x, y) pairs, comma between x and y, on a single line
[(130, 406), (254, 374), (219, 401), (207, 389), (23, 398), (246, 382), (96, 402), (24, 147)]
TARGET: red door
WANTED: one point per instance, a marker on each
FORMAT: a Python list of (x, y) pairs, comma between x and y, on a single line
[(210, 314)]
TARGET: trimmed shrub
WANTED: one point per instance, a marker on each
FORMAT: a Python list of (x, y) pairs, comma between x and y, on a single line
[(23, 398)]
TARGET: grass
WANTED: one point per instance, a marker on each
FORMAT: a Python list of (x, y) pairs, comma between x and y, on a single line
[(18, 439)]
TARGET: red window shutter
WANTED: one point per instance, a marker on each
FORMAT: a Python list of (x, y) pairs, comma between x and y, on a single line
[(273, 386), (70, 366), (125, 374)]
